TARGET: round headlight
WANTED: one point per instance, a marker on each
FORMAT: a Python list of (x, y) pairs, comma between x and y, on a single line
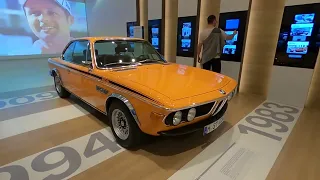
[(191, 114), (230, 96), (177, 118)]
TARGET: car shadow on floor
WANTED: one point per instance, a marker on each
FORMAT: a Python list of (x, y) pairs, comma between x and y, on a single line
[(171, 153), (169, 146)]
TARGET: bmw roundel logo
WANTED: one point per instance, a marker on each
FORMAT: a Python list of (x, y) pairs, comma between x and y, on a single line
[(222, 91)]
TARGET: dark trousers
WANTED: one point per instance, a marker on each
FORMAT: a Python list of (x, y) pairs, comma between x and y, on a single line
[(214, 64)]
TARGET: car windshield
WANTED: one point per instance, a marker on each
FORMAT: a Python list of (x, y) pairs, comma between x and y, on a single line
[(125, 52)]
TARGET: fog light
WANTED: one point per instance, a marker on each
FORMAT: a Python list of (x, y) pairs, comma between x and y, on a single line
[(177, 118), (191, 114)]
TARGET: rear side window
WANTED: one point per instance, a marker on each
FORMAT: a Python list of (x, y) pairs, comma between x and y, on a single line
[(77, 53), (80, 52), (67, 55)]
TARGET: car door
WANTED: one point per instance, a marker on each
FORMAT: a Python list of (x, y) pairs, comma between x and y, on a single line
[(94, 90), (78, 67)]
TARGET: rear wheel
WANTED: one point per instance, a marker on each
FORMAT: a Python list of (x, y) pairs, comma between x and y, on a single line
[(62, 92), (123, 125)]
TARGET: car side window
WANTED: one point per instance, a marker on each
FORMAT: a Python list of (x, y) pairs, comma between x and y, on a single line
[(81, 53), (67, 55)]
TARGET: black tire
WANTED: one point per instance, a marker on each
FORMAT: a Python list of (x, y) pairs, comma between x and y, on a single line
[(62, 92), (135, 136)]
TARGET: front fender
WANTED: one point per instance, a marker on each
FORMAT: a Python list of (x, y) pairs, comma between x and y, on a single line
[(126, 102)]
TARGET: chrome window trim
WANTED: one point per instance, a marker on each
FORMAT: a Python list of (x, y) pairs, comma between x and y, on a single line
[(127, 103)]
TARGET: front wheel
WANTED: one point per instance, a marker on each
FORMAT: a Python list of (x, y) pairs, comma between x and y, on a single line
[(123, 125), (62, 92)]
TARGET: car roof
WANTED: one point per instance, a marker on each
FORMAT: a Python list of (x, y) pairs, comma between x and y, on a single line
[(97, 38)]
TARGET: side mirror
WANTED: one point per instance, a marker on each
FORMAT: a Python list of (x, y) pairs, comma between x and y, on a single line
[(89, 64)]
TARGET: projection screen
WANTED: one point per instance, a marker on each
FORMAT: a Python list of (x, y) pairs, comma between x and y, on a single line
[(37, 27)]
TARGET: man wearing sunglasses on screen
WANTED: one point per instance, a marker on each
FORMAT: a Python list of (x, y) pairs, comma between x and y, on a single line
[(50, 21), (211, 42)]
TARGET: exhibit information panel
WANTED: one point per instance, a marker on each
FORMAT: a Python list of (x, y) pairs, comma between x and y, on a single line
[(33, 27), (186, 36), (229, 22), (299, 37)]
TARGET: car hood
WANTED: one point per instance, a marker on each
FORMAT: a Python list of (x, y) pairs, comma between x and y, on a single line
[(172, 80)]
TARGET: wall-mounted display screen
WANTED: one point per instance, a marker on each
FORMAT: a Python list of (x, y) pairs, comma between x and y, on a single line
[(301, 29), (155, 33), (32, 27), (130, 29), (298, 39), (232, 23), (186, 36), (229, 22), (231, 45), (304, 18)]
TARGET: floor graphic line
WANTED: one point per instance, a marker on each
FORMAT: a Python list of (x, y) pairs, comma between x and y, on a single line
[(215, 161), (27, 99), (31, 122), (23, 92)]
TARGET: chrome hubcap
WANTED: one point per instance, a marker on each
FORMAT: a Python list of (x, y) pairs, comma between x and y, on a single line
[(120, 124), (57, 83)]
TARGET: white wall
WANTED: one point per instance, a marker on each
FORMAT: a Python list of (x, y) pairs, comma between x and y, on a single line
[(234, 5), (154, 9), (187, 8), (290, 85), (109, 17), (24, 74), (185, 60)]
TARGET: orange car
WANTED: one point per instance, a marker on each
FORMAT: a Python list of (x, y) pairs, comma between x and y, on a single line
[(139, 91)]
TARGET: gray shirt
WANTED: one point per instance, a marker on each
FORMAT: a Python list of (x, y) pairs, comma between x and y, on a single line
[(213, 40)]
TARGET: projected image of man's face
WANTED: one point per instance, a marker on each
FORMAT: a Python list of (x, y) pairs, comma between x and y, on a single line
[(48, 20), (36, 27)]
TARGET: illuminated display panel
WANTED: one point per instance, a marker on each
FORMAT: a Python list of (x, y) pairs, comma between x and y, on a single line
[(155, 34), (186, 36), (298, 42), (229, 22)]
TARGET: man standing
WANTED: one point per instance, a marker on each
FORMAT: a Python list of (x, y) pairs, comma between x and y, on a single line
[(212, 41), (50, 21)]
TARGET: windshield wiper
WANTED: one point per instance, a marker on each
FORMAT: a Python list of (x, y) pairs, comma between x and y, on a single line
[(119, 63), (149, 61)]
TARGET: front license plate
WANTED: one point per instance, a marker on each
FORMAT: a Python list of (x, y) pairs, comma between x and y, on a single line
[(211, 127)]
